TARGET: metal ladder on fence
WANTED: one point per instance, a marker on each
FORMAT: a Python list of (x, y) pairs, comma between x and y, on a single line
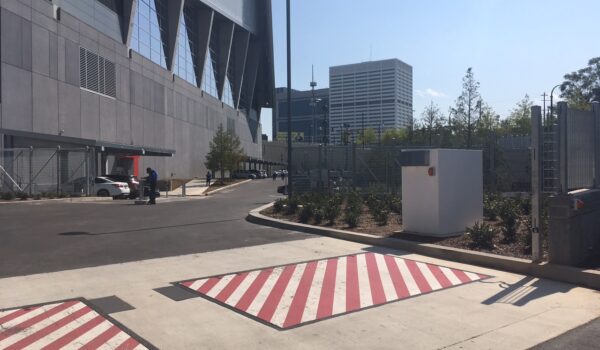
[(550, 160)]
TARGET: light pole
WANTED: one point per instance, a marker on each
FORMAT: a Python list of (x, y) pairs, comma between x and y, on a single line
[(552, 100), (289, 99)]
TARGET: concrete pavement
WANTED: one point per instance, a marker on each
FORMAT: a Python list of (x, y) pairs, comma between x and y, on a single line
[(56, 252)]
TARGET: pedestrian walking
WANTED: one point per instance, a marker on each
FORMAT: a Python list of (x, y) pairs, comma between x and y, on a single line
[(208, 178), (152, 179), (282, 175), (274, 175)]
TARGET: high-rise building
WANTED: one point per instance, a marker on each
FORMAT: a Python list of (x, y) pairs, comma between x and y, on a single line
[(145, 79), (376, 95), (309, 115)]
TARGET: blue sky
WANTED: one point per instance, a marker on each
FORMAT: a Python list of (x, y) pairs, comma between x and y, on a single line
[(515, 47)]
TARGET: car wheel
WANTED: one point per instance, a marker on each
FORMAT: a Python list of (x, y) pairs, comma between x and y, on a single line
[(103, 193)]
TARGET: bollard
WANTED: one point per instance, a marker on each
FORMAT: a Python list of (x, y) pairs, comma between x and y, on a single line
[(183, 190)]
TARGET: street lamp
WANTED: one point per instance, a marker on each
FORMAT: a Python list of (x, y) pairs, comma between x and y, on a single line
[(289, 98)]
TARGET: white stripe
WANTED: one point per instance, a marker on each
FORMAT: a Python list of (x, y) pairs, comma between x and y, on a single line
[(40, 325), (115, 341), (413, 289), (364, 285), (386, 279), (314, 295), (59, 333), (339, 297), (223, 282), (450, 276), (283, 308), (262, 295), (88, 336), (140, 347), (29, 315), (472, 276), (197, 284), (242, 288), (433, 282)]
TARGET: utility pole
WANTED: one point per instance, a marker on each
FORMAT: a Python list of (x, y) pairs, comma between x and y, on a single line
[(289, 99), (363, 130), (544, 100), (313, 103)]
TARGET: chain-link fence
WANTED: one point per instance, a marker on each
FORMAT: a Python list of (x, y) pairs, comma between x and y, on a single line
[(378, 168), (46, 170)]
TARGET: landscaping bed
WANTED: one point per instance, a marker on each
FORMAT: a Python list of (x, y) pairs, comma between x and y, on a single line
[(505, 229)]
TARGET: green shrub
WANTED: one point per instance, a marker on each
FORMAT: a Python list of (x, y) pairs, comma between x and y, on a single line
[(491, 207), (318, 216), (278, 206), (509, 213), (292, 206), (51, 195), (482, 235), (396, 205), (23, 196), (63, 195), (525, 205), (352, 218), (306, 213), (7, 196), (332, 210), (37, 196)]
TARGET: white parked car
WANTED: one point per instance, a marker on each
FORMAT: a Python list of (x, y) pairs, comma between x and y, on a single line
[(105, 187)]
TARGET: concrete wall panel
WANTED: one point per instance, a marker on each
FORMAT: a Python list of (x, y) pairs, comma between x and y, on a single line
[(108, 119), (90, 115), (41, 50), (69, 109), (17, 111), (45, 105), (123, 123)]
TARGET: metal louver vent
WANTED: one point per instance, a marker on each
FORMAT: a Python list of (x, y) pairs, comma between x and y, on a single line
[(97, 74)]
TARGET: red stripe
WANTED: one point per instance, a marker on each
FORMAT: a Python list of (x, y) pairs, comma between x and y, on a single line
[(128, 344), (325, 308), (231, 287), (439, 276), (270, 305), (74, 334), (49, 329), (418, 276), (482, 276), (462, 276), (187, 284), (352, 292), (396, 276), (377, 292), (253, 290), (16, 314), (32, 321), (102, 338), (208, 285), (296, 311)]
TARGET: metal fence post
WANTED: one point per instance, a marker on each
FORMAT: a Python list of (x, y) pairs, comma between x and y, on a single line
[(353, 165), (58, 170), (596, 109), (536, 183), (30, 171), (86, 171), (563, 147)]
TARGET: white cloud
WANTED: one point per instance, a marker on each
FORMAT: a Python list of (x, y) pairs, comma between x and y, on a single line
[(430, 93)]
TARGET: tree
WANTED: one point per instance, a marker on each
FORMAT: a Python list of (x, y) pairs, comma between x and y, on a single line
[(466, 105), (369, 137), (393, 137), (519, 120), (582, 87), (431, 120), (225, 152)]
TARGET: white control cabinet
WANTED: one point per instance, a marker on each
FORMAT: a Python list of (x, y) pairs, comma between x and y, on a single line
[(444, 198)]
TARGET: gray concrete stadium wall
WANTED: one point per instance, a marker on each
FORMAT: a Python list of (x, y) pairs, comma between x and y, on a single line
[(41, 93)]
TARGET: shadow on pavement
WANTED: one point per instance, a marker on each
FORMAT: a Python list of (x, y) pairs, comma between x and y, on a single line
[(81, 233), (526, 290)]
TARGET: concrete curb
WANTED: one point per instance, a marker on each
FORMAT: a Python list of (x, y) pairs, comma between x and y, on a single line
[(207, 193), (68, 200), (567, 274)]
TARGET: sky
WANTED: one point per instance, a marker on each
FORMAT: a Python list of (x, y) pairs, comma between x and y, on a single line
[(515, 47)]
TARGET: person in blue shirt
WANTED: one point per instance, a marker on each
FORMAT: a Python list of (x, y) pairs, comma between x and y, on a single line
[(152, 179)]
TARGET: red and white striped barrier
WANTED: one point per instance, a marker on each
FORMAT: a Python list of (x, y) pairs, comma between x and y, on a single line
[(63, 325), (292, 295)]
